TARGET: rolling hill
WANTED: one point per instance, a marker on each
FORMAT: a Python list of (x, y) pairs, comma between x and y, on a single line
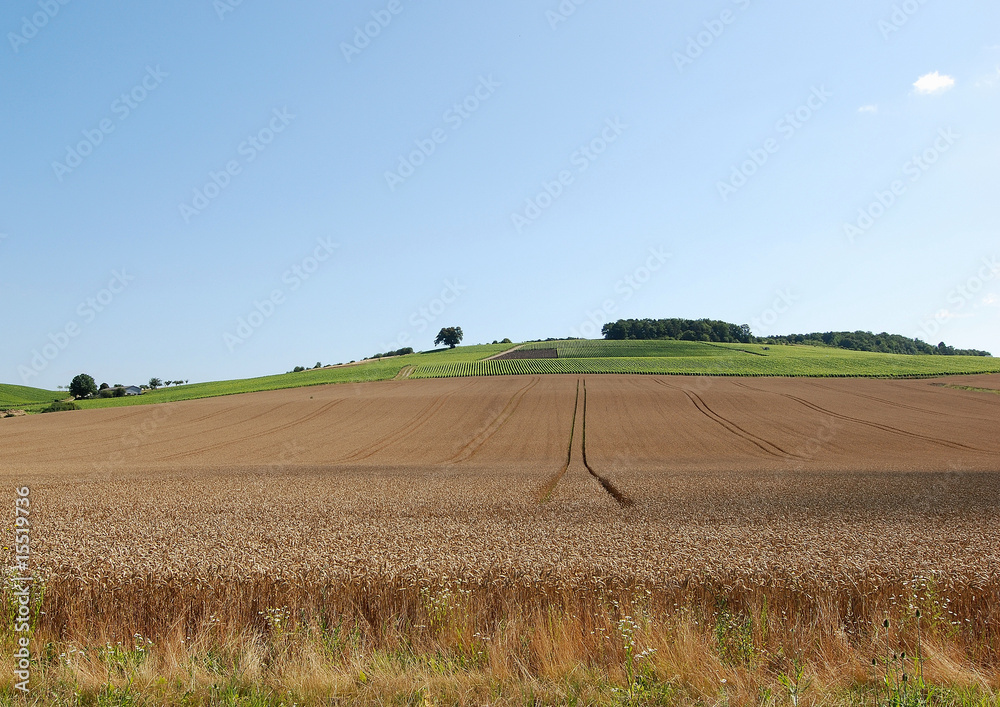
[(575, 356)]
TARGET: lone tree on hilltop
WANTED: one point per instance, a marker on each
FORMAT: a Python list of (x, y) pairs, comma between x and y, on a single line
[(82, 386), (155, 383), (449, 335)]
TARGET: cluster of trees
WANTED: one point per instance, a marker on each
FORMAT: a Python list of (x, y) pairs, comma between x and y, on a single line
[(155, 383), (299, 369), (108, 391), (867, 341), (681, 329), (724, 332), (84, 386), (398, 352)]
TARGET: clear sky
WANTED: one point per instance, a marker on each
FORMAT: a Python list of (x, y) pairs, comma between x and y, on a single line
[(207, 190)]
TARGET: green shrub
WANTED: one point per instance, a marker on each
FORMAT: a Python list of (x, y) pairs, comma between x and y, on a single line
[(60, 406)]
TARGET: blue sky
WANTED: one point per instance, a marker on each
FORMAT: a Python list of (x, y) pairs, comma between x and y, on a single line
[(208, 190)]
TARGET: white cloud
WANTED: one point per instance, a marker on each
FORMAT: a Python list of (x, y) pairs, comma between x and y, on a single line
[(933, 83), (868, 109), (991, 300)]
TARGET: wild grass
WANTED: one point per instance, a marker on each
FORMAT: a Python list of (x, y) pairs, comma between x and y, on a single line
[(269, 642)]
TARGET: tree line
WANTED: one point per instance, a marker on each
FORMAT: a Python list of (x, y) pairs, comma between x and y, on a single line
[(680, 329), (726, 333), (867, 341)]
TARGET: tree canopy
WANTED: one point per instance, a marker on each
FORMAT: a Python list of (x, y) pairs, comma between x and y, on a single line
[(724, 332), (684, 329), (867, 341), (449, 335), (82, 386)]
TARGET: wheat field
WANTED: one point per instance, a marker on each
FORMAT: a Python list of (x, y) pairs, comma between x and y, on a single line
[(519, 540)]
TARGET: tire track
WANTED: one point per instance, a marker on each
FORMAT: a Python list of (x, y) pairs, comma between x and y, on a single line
[(220, 445), (885, 401), (764, 445), (404, 372), (201, 433), (422, 418), (306, 418), (546, 491), (477, 442), (623, 500), (877, 425)]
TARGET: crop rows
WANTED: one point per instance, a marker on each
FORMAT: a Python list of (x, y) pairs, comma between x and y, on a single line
[(727, 364), (625, 349)]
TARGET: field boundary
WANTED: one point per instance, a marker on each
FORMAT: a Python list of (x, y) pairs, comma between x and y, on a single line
[(504, 353)]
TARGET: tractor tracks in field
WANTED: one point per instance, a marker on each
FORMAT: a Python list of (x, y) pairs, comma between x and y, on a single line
[(477, 442), (546, 491), (893, 403), (874, 425), (766, 446), (623, 500), (280, 428), (579, 427), (418, 421)]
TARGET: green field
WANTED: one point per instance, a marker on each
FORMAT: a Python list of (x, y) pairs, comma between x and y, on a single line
[(575, 357), (19, 397), (626, 349), (697, 358), (367, 371)]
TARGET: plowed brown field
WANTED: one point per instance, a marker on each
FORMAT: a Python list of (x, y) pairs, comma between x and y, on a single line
[(664, 479), (527, 513)]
